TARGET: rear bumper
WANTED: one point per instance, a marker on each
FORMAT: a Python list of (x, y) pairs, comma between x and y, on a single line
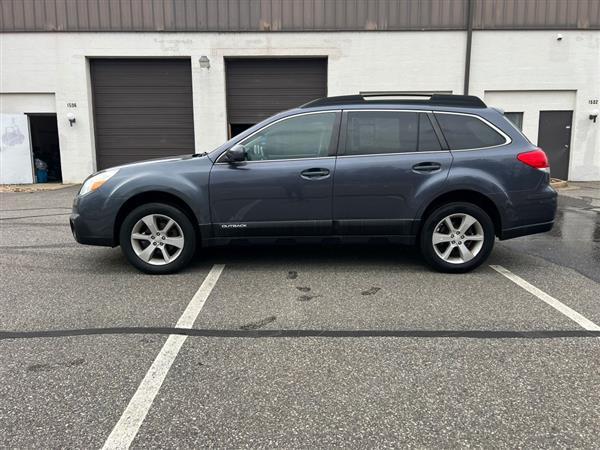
[(526, 230), (529, 213)]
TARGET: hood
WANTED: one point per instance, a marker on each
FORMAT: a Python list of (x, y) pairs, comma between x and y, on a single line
[(158, 160)]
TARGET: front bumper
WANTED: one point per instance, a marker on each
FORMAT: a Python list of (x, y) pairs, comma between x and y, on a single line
[(82, 233), (92, 223)]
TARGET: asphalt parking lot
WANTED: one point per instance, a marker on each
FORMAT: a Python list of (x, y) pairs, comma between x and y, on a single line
[(347, 346)]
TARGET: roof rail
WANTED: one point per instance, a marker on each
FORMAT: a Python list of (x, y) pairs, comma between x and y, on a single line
[(470, 101), (366, 94)]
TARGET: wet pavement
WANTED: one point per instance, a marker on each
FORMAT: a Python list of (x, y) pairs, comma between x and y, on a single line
[(296, 347), (575, 239)]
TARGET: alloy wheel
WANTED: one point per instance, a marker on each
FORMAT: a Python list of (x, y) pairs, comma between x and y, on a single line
[(157, 239), (458, 238)]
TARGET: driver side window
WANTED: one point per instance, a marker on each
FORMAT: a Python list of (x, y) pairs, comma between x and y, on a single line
[(304, 136)]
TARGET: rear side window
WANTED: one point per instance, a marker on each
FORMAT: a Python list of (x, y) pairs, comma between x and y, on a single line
[(372, 132), (467, 132), (380, 132)]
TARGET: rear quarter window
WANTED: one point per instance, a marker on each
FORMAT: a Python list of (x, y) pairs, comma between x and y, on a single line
[(468, 132)]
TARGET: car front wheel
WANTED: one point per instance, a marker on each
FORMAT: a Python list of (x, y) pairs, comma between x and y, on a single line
[(457, 237), (158, 238)]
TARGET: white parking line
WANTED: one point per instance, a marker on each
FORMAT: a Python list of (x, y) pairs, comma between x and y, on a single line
[(556, 304), (128, 425)]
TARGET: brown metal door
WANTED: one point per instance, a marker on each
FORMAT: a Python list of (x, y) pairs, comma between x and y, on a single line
[(554, 137), (258, 88), (142, 109)]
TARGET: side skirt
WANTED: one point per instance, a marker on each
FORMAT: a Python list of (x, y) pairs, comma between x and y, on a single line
[(292, 240)]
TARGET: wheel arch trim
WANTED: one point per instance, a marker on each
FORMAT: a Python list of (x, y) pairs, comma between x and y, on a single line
[(153, 196), (467, 195)]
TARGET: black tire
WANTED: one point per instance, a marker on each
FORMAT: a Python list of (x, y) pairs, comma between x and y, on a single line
[(182, 257), (433, 220)]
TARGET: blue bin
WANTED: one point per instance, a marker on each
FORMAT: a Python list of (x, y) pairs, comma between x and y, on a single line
[(41, 175)]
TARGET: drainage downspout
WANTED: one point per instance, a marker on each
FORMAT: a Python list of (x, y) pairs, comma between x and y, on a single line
[(470, 8)]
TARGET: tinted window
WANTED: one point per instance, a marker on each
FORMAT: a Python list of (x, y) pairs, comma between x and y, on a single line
[(371, 132), (306, 136), (516, 118), (428, 140), (464, 132)]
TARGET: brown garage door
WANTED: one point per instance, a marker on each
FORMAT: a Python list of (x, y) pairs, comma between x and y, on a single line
[(258, 88), (142, 109)]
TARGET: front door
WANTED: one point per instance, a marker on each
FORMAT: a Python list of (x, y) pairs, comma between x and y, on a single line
[(387, 160), (284, 186), (554, 137)]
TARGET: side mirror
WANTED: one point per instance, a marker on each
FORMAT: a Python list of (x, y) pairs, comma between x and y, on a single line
[(237, 153)]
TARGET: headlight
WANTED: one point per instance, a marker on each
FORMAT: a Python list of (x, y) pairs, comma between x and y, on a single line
[(96, 181)]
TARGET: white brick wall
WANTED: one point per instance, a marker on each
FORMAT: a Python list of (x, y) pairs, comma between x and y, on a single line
[(502, 61)]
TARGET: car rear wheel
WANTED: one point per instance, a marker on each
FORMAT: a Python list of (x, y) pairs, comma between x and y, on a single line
[(158, 238), (457, 237)]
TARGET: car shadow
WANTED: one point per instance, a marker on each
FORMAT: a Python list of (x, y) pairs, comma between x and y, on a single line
[(346, 255)]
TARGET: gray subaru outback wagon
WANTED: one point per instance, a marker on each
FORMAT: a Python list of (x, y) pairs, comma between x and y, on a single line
[(444, 172)]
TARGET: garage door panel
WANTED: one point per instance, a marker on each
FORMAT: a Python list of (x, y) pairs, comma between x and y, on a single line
[(134, 132), (258, 88), (143, 109), (142, 131), (273, 92), (156, 100), (142, 82), (258, 101), (164, 72), (155, 142), (276, 96), (142, 154), (145, 121), (270, 65), (276, 82), (142, 89)]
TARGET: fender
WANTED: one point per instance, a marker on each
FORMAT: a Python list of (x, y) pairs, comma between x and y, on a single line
[(462, 182), (190, 185)]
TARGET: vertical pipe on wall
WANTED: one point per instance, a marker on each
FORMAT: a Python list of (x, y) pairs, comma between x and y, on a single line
[(470, 8)]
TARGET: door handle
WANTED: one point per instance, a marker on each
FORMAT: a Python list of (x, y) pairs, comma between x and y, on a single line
[(427, 167), (314, 173)]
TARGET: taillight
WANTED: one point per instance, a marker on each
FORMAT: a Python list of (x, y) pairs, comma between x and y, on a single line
[(536, 159)]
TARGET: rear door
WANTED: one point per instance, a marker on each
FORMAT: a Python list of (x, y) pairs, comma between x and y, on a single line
[(284, 187), (554, 137), (388, 162)]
